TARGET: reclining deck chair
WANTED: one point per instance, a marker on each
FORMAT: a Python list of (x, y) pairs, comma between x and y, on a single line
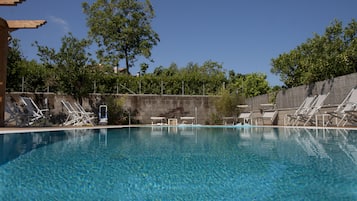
[(87, 117), (312, 111), (73, 116), (269, 114), (14, 113), (303, 109), (346, 112), (34, 113), (245, 116)]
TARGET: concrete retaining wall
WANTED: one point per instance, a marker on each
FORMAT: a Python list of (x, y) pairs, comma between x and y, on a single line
[(288, 100), (145, 106), (171, 107)]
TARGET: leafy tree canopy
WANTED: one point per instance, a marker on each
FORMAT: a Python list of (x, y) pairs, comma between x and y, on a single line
[(72, 64), (322, 57), (122, 30)]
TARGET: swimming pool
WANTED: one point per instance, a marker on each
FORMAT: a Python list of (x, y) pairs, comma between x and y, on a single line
[(180, 163)]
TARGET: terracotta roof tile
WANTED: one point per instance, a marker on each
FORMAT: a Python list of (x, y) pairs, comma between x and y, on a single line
[(10, 2), (24, 24)]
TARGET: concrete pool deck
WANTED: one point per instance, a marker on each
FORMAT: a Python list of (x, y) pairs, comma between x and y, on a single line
[(8, 130)]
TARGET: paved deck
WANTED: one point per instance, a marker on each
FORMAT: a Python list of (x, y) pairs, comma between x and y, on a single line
[(4, 130)]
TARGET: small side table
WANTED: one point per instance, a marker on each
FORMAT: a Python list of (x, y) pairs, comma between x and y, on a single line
[(321, 117), (172, 122)]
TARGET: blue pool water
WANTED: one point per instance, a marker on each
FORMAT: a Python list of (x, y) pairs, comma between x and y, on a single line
[(173, 163)]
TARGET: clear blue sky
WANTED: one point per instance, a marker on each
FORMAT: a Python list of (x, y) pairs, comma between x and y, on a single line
[(242, 35)]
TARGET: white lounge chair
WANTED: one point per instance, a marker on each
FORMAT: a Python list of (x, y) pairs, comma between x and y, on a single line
[(346, 112), (245, 116), (87, 117), (303, 109), (268, 114), (34, 113), (74, 117), (154, 119), (308, 117), (185, 119)]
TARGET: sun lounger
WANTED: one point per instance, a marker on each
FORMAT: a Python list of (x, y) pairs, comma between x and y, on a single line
[(308, 117), (154, 119), (33, 112), (346, 112), (77, 115), (185, 119), (87, 117), (269, 113), (73, 116), (14, 113), (303, 109), (244, 115)]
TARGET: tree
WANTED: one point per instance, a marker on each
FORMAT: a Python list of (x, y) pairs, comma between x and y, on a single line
[(226, 104), (321, 57), (143, 68), (250, 85), (122, 30), (73, 64), (15, 66), (36, 77)]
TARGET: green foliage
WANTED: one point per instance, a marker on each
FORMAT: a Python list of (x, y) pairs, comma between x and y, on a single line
[(72, 64), (116, 113), (249, 85), (122, 30), (321, 57), (15, 66), (26, 75), (226, 104)]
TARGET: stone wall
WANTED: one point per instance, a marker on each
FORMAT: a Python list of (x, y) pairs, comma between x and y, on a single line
[(145, 106), (170, 106)]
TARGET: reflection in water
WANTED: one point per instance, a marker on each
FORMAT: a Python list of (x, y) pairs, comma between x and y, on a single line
[(14, 145), (310, 144), (190, 163), (347, 147), (314, 142), (266, 141), (103, 137)]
